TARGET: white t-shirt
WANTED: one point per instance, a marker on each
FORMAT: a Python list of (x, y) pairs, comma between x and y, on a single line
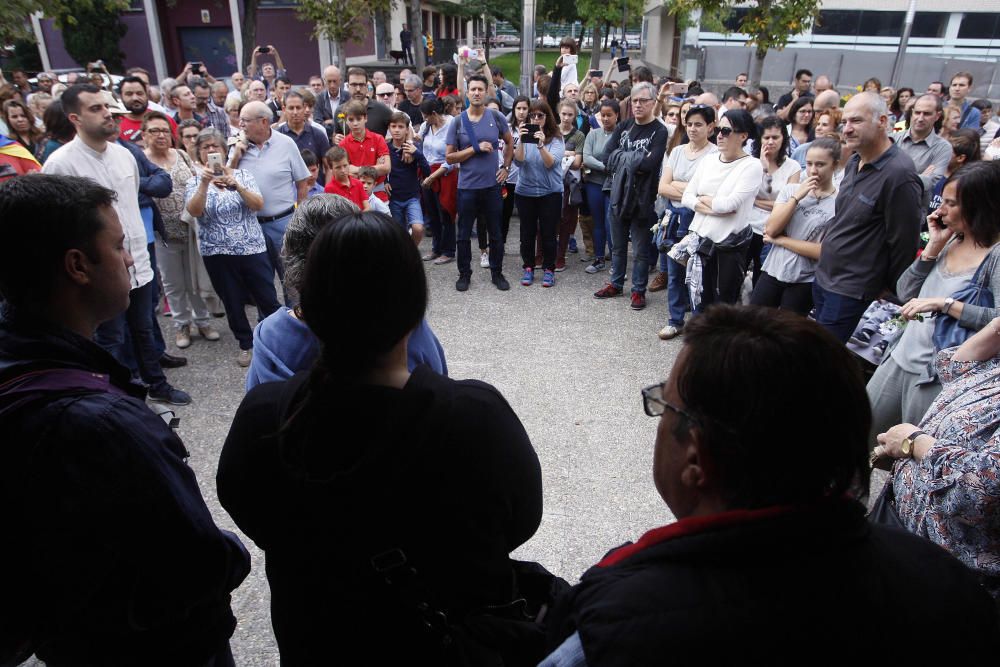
[(732, 186), (769, 188), (681, 166)]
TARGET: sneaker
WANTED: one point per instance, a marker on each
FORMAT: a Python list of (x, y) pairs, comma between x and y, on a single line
[(658, 283), (638, 300), (548, 279), (443, 259), (431, 256), (572, 245), (171, 361), (607, 292), (595, 266), (501, 282), (208, 333), (167, 394), (484, 259), (586, 257), (243, 358), (183, 337), (462, 284), (528, 277), (561, 265), (668, 332)]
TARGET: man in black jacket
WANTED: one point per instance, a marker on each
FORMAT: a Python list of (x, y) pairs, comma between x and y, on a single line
[(110, 556), (645, 136), (761, 445)]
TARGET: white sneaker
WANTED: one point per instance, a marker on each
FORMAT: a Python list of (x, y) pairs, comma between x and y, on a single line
[(668, 332), (484, 260)]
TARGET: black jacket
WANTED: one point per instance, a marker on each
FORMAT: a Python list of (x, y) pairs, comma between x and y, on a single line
[(440, 470), (110, 555), (765, 587)]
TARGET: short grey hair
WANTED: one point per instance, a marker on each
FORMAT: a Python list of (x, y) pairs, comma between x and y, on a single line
[(310, 217), (644, 85), (873, 104), (414, 80), (205, 135)]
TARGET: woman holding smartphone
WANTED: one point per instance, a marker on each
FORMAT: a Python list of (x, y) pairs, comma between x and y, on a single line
[(539, 191)]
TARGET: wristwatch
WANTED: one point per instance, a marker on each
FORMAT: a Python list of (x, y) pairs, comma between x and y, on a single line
[(907, 445), (948, 303)]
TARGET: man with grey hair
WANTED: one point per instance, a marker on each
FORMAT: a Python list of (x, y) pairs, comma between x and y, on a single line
[(325, 110), (277, 166), (378, 76), (828, 99), (166, 91), (283, 344), (414, 96), (873, 237), (929, 152), (633, 155)]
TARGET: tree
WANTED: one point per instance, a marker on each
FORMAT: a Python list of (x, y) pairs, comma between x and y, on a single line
[(341, 21), (768, 23), (490, 11), (96, 34), (601, 14), (15, 16)]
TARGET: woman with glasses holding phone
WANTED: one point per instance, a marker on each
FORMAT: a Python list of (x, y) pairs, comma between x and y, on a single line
[(721, 194), (773, 152), (538, 153)]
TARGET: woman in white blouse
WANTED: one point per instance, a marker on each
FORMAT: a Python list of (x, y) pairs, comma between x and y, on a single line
[(721, 194)]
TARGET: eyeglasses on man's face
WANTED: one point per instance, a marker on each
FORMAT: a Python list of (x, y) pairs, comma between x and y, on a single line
[(641, 100), (655, 405)]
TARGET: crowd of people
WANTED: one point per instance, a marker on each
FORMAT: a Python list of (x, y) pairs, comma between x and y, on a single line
[(196, 196)]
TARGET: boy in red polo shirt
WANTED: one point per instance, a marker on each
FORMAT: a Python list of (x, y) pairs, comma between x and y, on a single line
[(341, 182), (364, 147)]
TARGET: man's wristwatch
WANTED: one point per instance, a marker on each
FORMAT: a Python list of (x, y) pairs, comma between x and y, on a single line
[(948, 303), (907, 445)]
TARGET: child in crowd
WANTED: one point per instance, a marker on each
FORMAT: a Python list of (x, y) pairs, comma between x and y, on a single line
[(404, 178), (364, 147), (368, 177), (312, 164), (341, 182)]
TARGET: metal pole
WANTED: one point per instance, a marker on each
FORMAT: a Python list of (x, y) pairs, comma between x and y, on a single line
[(897, 64), (527, 47)]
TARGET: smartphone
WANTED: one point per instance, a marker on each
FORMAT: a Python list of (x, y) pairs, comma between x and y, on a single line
[(529, 136), (678, 89), (623, 65), (215, 163), (599, 73), (570, 59), (264, 49), (196, 67)]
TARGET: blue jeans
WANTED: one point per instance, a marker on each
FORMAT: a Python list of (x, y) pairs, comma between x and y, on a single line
[(837, 313), (136, 323), (441, 225), (407, 212), (678, 301), (274, 237), (488, 203), (639, 227), (599, 202)]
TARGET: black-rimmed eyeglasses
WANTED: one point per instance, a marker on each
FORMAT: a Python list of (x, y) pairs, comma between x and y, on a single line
[(655, 405)]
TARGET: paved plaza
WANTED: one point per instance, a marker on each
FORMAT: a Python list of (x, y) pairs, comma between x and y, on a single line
[(569, 365)]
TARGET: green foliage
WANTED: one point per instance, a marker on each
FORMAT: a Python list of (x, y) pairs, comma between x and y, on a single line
[(15, 23), (768, 23), (341, 21), (511, 62), (93, 33), (494, 10), (602, 12)]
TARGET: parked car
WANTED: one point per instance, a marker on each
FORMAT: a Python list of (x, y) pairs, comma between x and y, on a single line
[(502, 41), (547, 41)]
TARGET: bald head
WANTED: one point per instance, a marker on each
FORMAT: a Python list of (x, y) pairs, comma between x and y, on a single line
[(828, 99), (333, 80), (822, 83), (255, 109), (870, 103), (708, 99)]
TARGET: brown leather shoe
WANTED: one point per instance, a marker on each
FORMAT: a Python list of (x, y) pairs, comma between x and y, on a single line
[(658, 283)]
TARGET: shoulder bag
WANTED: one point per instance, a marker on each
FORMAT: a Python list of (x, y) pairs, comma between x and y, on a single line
[(948, 332)]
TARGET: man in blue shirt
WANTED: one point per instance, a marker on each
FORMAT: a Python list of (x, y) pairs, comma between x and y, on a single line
[(958, 89), (473, 139)]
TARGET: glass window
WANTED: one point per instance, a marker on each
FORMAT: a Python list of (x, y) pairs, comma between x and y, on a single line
[(979, 26), (837, 22), (929, 24), (734, 19), (882, 24)]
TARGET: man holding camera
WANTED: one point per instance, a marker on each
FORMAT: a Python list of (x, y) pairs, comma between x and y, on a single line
[(267, 72)]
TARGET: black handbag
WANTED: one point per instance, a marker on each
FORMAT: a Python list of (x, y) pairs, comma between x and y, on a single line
[(884, 511)]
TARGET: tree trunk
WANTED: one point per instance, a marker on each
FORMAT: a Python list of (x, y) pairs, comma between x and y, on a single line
[(607, 33), (757, 68), (417, 30), (339, 55), (486, 42), (249, 31), (382, 35), (595, 49)]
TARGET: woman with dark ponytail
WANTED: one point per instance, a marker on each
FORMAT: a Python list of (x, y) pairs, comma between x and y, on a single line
[(380, 496)]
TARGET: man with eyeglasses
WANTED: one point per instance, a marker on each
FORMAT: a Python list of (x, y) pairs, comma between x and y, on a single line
[(413, 96), (280, 172), (378, 113), (771, 552), (633, 155), (386, 94)]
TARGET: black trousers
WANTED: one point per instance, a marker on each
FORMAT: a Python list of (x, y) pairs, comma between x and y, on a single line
[(722, 278), (539, 218), (796, 297), (237, 279)]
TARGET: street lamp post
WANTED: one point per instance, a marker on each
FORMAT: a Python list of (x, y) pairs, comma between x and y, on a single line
[(897, 64)]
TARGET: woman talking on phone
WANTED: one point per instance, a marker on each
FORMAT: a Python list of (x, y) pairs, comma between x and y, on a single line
[(963, 232), (230, 238), (538, 153)]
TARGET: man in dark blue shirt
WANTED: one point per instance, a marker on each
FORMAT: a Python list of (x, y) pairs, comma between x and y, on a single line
[(305, 135)]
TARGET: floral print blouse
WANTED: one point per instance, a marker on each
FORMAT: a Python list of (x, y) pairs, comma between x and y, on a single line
[(952, 495), (228, 226)]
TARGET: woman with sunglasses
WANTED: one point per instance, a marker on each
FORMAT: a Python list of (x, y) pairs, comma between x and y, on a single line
[(800, 124), (773, 152), (539, 189), (721, 194)]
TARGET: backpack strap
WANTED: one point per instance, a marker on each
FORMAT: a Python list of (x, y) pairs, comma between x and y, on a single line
[(469, 130)]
